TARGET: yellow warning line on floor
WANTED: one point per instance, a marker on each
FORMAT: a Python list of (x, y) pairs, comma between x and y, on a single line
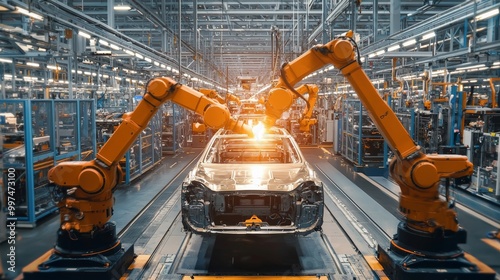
[(492, 242), (254, 277), (376, 267), (326, 151), (138, 264), (483, 268), (33, 266)]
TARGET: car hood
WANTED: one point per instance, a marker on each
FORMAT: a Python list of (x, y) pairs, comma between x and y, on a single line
[(239, 177)]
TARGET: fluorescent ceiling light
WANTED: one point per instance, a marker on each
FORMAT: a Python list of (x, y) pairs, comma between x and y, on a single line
[(380, 52), (477, 69), (34, 64), (156, 63), (53, 67), (409, 43), (147, 59), (429, 35), (129, 52), (162, 65), (138, 55), (102, 53), (371, 55), (28, 13), (488, 14), (393, 48), (121, 7), (471, 67), (114, 47), (6, 60), (103, 43), (83, 34)]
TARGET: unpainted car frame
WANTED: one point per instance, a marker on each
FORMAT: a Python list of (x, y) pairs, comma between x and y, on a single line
[(243, 185)]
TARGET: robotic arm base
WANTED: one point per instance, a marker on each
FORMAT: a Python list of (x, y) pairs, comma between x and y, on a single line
[(437, 257), (90, 256)]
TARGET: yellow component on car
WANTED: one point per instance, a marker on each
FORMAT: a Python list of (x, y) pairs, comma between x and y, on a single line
[(252, 221)]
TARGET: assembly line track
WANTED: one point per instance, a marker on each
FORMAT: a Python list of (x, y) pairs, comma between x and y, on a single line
[(362, 231), (158, 226), (134, 229), (149, 227), (163, 253), (209, 255)]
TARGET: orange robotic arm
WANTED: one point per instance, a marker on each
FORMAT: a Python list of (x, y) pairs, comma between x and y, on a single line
[(212, 94), (230, 97), (87, 206), (306, 121), (417, 174), (280, 99), (430, 229), (493, 92)]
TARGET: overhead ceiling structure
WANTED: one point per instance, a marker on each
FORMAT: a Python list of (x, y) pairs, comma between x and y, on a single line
[(223, 41), (253, 38)]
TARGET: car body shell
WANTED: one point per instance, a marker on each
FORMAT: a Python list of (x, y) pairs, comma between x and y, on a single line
[(242, 185)]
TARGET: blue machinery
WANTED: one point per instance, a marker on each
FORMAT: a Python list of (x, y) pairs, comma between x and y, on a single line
[(365, 148), (146, 151), (361, 143), (62, 130), (57, 130)]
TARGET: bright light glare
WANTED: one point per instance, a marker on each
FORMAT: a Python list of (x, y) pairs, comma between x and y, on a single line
[(429, 35), (393, 48), (28, 13), (409, 42), (83, 34), (488, 14), (121, 7), (258, 172), (258, 131)]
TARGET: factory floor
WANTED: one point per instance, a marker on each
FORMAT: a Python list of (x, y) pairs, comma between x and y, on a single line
[(131, 199)]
